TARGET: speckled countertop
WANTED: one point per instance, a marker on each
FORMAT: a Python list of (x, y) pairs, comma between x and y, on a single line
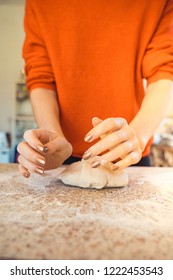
[(40, 218)]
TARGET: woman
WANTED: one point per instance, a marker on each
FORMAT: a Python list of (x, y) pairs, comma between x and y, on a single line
[(87, 60)]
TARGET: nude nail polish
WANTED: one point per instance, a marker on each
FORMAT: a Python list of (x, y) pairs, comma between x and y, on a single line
[(86, 155), (40, 148), (107, 164), (26, 175), (40, 161), (103, 162), (45, 149), (88, 138), (39, 170), (95, 164), (115, 167)]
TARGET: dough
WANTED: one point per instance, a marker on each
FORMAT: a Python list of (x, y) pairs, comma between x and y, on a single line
[(81, 174)]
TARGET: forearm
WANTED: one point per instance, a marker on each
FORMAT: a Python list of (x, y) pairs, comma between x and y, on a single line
[(46, 110), (154, 108)]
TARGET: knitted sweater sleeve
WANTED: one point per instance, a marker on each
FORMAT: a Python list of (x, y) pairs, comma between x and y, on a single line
[(158, 60), (38, 68)]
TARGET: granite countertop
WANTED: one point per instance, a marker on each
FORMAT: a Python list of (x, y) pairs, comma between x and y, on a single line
[(41, 218)]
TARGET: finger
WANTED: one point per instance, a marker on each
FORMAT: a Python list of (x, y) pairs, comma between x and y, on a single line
[(31, 166), (96, 121), (130, 159), (108, 142), (119, 152), (23, 171), (111, 124), (32, 139), (29, 153), (106, 164), (57, 144)]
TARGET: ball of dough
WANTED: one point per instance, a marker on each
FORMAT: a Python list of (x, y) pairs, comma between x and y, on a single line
[(81, 174)]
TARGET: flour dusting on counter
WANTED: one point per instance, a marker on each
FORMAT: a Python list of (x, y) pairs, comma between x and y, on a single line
[(41, 218)]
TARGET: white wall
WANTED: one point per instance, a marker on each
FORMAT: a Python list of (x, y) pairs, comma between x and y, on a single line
[(11, 62)]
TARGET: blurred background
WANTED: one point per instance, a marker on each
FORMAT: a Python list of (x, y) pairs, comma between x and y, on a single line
[(15, 109)]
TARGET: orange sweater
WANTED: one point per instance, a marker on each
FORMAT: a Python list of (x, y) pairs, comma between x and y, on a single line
[(95, 53)]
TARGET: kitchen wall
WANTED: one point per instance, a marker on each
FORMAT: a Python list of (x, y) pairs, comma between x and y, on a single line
[(11, 39)]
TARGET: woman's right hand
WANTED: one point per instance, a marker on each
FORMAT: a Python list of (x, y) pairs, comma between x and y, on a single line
[(42, 150)]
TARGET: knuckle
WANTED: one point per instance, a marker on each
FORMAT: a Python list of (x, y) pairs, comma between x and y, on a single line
[(139, 153), (124, 135), (114, 138), (124, 122), (120, 122), (31, 132), (134, 157), (128, 146), (123, 151), (19, 146), (114, 123), (137, 144), (132, 132), (28, 133), (111, 123), (19, 159)]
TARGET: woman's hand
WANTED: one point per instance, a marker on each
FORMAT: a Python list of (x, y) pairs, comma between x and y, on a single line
[(42, 150), (118, 143)]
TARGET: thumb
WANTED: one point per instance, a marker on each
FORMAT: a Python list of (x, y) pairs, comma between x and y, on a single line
[(56, 144)]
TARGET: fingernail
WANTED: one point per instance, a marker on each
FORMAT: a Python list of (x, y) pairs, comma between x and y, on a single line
[(95, 164), (88, 138), (40, 148), (115, 167), (45, 149), (39, 170), (26, 175), (86, 155), (106, 164), (103, 162), (40, 160)]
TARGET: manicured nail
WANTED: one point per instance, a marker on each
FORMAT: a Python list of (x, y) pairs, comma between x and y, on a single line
[(106, 164), (40, 148), (86, 155), (45, 149), (88, 138), (115, 167), (40, 160), (26, 175), (95, 164), (39, 170), (103, 162)]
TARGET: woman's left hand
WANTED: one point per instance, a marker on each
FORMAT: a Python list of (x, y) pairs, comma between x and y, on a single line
[(118, 143)]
